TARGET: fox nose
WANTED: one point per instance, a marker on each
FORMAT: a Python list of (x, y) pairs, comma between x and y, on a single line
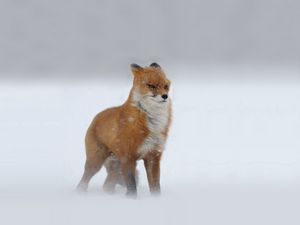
[(164, 96)]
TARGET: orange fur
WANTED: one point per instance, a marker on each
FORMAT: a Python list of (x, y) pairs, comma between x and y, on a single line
[(118, 136)]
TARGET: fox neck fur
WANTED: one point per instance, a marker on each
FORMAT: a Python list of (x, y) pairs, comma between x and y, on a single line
[(157, 121)]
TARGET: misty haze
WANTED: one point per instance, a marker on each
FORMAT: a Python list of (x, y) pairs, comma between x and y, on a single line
[(233, 152)]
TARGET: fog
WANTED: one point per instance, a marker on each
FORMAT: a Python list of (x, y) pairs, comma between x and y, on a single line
[(232, 156)]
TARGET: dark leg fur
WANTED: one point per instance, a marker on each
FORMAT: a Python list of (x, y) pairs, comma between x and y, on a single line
[(114, 174), (128, 171), (152, 166)]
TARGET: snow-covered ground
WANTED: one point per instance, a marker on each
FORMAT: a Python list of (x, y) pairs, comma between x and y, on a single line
[(233, 156)]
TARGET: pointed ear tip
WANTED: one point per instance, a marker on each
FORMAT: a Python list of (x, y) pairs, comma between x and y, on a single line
[(154, 64), (135, 66)]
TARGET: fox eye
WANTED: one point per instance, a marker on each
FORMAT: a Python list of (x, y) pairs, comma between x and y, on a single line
[(151, 86), (166, 87)]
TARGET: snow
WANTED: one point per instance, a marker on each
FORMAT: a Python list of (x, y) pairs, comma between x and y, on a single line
[(233, 155)]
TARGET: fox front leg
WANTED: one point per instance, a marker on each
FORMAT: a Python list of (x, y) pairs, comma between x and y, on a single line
[(152, 166), (128, 171)]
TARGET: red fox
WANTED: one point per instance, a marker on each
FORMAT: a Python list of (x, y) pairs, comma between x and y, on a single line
[(136, 130)]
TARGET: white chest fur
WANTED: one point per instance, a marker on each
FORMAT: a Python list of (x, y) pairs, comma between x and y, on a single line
[(158, 114)]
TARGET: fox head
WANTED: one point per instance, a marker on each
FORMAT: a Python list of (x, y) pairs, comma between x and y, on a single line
[(150, 85)]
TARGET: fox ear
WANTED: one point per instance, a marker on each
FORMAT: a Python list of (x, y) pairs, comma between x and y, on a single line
[(135, 68), (155, 65)]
